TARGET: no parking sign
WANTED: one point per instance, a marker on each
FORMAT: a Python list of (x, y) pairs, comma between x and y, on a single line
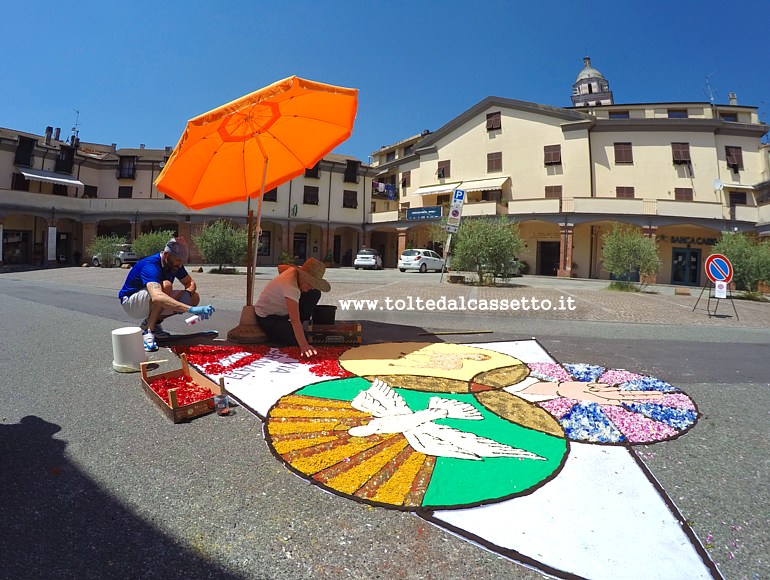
[(719, 269)]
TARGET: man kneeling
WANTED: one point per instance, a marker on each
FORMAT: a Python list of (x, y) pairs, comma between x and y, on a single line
[(148, 291)]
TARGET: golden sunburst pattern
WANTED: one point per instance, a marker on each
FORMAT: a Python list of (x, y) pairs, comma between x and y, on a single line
[(311, 435)]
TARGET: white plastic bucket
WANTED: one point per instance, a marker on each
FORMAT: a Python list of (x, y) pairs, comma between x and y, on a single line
[(128, 349)]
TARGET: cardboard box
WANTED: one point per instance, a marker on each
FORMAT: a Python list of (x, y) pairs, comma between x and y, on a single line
[(338, 334), (174, 411)]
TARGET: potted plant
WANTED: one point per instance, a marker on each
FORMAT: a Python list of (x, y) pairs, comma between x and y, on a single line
[(329, 259), (286, 258)]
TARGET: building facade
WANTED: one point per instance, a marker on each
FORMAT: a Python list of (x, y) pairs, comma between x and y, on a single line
[(56, 196), (680, 172)]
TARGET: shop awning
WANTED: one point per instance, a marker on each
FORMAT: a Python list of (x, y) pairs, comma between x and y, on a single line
[(433, 189), (50, 176), (485, 184), (738, 186)]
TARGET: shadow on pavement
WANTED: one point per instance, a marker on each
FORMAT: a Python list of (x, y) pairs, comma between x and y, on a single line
[(58, 523), (374, 332)]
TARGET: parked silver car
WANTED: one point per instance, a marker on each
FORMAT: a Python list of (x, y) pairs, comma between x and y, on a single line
[(421, 260), (368, 258), (123, 255)]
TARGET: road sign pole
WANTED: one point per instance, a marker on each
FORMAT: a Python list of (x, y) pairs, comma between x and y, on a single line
[(719, 271), (447, 250)]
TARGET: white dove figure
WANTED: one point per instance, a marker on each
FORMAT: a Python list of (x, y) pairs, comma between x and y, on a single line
[(393, 415)]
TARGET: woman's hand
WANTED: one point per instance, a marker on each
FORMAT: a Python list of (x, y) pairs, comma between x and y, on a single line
[(306, 350), (603, 394)]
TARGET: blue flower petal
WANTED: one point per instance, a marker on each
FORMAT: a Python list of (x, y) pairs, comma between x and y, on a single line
[(679, 419), (649, 384), (587, 422), (584, 372)]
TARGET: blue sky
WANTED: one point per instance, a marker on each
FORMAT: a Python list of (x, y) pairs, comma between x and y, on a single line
[(138, 70)]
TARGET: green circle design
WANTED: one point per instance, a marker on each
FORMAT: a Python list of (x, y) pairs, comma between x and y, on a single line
[(457, 483)]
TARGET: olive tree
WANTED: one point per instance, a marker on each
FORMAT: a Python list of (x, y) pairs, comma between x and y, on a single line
[(486, 247), (750, 259), (104, 248), (151, 243), (626, 251), (222, 242)]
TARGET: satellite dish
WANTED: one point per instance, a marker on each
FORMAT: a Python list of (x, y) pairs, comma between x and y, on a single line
[(162, 164), (718, 185)]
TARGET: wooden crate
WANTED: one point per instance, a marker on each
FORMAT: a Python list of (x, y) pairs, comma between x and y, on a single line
[(338, 334), (174, 411)]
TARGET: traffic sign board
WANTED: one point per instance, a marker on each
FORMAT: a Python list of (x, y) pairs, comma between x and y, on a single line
[(456, 209), (719, 269)]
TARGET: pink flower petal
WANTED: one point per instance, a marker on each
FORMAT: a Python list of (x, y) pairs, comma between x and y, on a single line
[(636, 427), (677, 400), (617, 377), (558, 407), (550, 371)]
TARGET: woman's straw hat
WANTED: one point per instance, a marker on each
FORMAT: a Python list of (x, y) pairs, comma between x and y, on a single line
[(312, 272)]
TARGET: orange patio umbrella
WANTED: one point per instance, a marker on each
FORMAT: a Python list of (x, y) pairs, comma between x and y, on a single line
[(238, 151)]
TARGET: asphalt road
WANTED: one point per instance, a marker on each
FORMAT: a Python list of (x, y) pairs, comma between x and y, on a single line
[(97, 483)]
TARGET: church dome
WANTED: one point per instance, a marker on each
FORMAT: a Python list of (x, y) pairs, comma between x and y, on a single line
[(588, 71)]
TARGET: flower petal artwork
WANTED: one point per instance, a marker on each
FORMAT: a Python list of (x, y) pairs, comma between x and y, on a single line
[(495, 442), (631, 422)]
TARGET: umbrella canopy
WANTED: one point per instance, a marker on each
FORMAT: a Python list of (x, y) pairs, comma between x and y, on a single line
[(222, 155)]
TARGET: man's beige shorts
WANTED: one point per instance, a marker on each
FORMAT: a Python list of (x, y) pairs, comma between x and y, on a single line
[(138, 305)]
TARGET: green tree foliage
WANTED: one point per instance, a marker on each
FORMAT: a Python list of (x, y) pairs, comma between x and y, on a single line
[(286, 258), (223, 242), (104, 249), (151, 243), (626, 251), (750, 259), (487, 247)]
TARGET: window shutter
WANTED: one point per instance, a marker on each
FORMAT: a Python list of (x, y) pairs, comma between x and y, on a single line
[(271, 195), (734, 157), (493, 121), (683, 193), (681, 152), (552, 154), (623, 153), (349, 199), (310, 196), (494, 162)]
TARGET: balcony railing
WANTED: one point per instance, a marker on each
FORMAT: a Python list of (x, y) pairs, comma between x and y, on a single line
[(763, 215), (385, 216), (746, 213), (694, 209), (377, 194), (609, 205), (525, 206), (477, 208)]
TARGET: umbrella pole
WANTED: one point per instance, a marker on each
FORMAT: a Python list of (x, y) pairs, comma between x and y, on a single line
[(259, 219), (247, 330), (249, 280)]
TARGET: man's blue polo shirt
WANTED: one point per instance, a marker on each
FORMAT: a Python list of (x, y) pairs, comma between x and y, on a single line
[(146, 270)]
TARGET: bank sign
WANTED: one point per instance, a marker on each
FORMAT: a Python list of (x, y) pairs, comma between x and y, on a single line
[(424, 213), (692, 240)]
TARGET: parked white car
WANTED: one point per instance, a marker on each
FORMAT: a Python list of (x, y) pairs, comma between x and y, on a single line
[(123, 255), (368, 258), (421, 260)]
